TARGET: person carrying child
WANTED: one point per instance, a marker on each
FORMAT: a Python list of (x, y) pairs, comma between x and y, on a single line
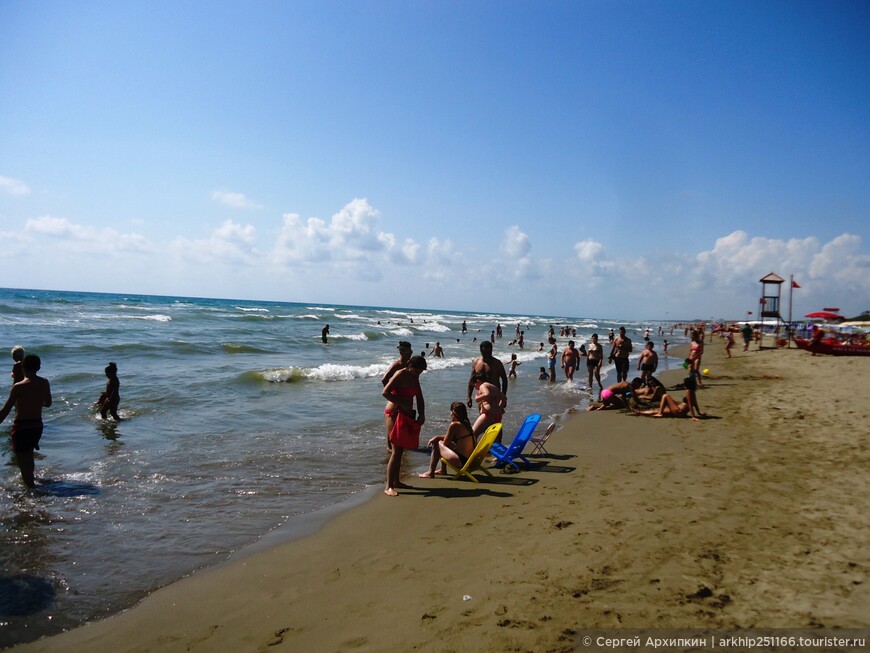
[(29, 396)]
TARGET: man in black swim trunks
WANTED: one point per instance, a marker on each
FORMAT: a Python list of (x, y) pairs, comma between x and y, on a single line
[(28, 397), (619, 354)]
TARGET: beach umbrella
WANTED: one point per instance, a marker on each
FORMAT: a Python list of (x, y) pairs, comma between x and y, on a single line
[(825, 315)]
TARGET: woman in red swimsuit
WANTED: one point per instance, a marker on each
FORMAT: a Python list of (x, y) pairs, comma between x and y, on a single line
[(401, 390)]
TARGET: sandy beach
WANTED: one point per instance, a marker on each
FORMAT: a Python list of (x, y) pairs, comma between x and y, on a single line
[(754, 517)]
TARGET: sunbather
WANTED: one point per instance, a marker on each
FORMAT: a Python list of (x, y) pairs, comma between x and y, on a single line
[(617, 395), (670, 408), (455, 446)]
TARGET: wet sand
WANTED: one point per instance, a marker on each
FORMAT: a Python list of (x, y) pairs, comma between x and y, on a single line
[(753, 517)]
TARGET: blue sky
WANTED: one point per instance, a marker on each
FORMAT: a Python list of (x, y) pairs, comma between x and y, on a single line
[(610, 159)]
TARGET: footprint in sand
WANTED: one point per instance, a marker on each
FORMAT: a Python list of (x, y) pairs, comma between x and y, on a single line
[(277, 638)]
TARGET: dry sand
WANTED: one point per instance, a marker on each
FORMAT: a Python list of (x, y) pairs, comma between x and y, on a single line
[(754, 517)]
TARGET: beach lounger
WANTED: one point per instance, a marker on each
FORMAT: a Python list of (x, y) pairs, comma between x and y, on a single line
[(505, 455), (538, 443), (475, 461)]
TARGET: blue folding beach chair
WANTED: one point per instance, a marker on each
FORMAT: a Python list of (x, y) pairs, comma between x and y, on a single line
[(505, 455)]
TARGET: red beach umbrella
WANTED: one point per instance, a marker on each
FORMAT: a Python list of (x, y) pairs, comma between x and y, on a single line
[(825, 315)]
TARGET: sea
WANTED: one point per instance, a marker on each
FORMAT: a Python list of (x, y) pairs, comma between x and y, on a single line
[(238, 423)]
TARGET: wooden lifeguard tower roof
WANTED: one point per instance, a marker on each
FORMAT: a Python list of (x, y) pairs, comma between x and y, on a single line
[(772, 278)]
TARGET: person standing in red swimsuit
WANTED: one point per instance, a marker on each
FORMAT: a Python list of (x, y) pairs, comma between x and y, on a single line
[(402, 390)]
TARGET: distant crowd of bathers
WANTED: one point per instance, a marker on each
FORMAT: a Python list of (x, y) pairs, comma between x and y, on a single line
[(405, 410)]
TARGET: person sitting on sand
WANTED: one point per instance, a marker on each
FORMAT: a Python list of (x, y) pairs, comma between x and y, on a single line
[(455, 446), (613, 397), (670, 408)]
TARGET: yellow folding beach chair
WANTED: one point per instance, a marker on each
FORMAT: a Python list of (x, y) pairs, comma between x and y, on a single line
[(475, 461)]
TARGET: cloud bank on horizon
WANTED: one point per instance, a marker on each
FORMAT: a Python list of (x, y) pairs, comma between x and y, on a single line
[(351, 258), (585, 159)]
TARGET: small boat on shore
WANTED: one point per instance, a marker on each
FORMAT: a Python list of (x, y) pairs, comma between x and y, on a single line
[(835, 346)]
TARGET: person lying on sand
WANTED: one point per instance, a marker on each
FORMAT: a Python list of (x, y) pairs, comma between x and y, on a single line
[(670, 408), (614, 396), (653, 391)]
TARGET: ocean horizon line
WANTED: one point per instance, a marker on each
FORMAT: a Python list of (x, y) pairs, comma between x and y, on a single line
[(478, 312)]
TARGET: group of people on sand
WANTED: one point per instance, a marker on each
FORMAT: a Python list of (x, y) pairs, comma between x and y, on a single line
[(646, 386), (629, 395), (405, 412), (31, 393), (648, 389)]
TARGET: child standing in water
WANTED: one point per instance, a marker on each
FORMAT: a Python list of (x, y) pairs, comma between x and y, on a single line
[(17, 368), (513, 366), (110, 399)]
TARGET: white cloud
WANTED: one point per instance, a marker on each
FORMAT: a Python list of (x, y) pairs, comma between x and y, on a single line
[(300, 242), (442, 259), (738, 256), (356, 229), (517, 249), (410, 251), (347, 258), (353, 234), (13, 186), (235, 200), (588, 250), (830, 274), (841, 259), (86, 238), (231, 243), (516, 243)]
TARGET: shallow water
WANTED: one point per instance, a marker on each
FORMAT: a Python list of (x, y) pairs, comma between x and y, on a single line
[(236, 417)]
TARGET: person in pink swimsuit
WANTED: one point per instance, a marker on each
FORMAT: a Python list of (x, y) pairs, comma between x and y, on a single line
[(402, 390)]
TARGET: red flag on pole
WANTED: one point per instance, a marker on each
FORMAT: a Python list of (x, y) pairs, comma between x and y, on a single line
[(794, 284)]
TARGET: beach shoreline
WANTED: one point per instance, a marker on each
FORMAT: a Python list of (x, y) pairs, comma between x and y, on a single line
[(753, 517)]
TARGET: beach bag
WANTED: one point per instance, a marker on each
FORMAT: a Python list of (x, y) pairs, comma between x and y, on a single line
[(406, 432)]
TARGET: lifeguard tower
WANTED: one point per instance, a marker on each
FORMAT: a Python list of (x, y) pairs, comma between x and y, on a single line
[(769, 310)]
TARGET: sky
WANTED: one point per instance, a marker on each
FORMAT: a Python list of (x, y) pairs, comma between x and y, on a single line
[(612, 159)]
